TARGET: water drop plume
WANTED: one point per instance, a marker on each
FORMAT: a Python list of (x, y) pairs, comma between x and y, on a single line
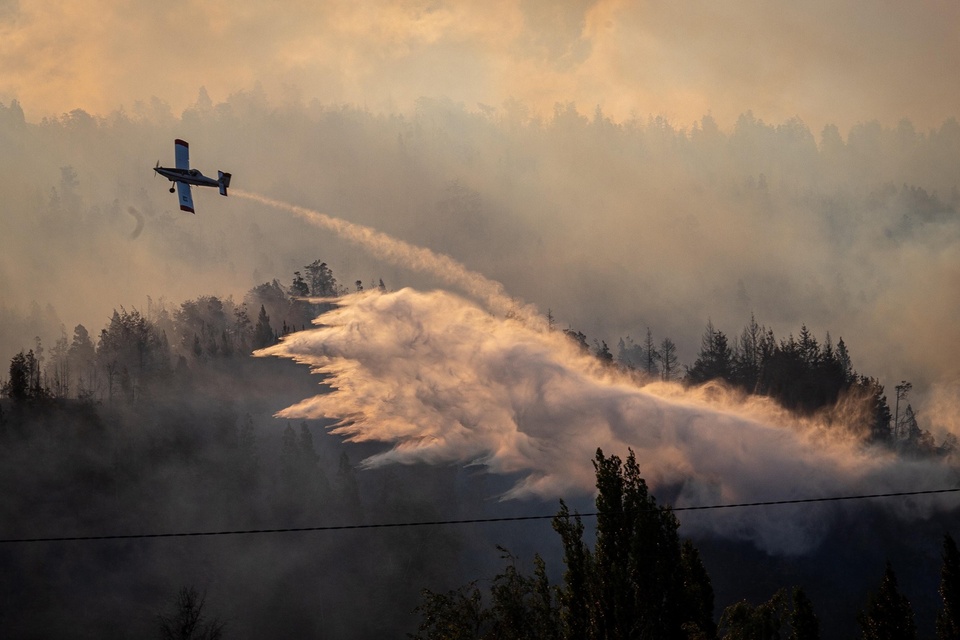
[(444, 381), (404, 254)]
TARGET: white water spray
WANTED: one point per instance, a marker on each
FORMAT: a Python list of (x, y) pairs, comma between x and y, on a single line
[(444, 381)]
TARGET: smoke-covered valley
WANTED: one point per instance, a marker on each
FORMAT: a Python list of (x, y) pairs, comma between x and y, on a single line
[(613, 226)]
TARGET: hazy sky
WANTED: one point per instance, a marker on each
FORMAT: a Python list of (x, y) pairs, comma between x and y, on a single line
[(833, 61)]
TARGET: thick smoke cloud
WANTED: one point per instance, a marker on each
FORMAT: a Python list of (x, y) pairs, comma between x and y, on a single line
[(444, 381), (824, 61)]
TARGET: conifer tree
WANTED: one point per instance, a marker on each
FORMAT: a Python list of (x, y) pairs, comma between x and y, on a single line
[(651, 356), (18, 387), (715, 359), (263, 335)]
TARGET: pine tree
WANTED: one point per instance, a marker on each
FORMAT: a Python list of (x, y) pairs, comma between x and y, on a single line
[(748, 356), (579, 337), (18, 387), (263, 335), (715, 359), (846, 364), (651, 356)]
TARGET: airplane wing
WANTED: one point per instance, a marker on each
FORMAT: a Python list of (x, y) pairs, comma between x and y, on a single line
[(181, 151), (186, 198)]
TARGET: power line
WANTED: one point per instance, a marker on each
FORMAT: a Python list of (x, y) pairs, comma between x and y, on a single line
[(434, 523)]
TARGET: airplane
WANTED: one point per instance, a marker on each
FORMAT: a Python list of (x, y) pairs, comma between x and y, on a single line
[(183, 176)]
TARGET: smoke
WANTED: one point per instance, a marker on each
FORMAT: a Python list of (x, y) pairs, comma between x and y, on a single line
[(443, 380), (821, 61)]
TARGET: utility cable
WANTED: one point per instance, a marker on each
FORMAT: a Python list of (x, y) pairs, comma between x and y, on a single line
[(434, 523)]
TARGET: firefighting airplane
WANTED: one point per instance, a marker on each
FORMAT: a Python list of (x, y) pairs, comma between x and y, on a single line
[(183, 176)]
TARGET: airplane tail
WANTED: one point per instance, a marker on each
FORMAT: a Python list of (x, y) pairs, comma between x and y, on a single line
[(224, 182)]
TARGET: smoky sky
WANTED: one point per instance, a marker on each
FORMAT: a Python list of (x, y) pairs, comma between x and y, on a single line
[(623, 166), (822, 61)]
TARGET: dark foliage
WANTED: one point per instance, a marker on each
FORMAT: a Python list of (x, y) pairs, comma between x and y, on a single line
[(637, 582), (888, 615), (188, 620)]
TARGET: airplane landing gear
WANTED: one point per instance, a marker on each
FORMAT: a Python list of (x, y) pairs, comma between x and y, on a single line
[(172, 189)]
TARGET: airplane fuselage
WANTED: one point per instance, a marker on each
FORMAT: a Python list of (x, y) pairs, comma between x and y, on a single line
[(187, 176), (182, 176)]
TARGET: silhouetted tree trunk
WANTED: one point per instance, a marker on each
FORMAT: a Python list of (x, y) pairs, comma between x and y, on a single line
[(669, 364)]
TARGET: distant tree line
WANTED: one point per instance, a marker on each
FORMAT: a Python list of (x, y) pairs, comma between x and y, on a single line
[(135, 348), (802, 374), (641, 581)]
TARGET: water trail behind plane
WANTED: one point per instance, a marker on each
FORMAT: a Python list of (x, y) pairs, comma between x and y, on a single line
[(404, 254)]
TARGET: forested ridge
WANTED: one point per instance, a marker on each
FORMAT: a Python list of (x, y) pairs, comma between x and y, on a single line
[(137, 348)]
